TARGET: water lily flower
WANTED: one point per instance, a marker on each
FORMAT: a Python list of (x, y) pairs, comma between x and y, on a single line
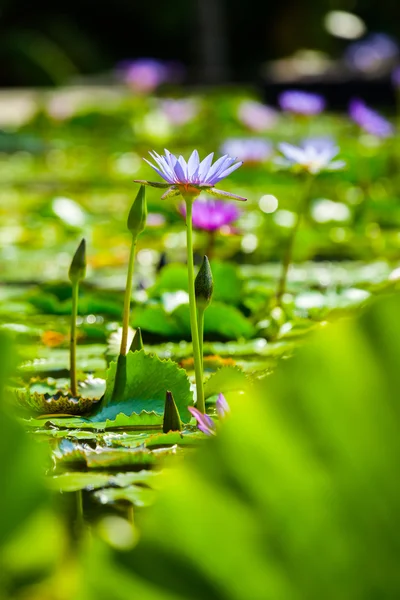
[(313, 156), (143, 74), (223, 408), (211, 215), (248, 150), (369, 120), (204, 422), (256, 116), (301, 103), (372, 54), (189, 178), (180, 111)]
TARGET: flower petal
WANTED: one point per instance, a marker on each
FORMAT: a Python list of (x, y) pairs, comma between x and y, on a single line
[(293, 153), (193, 164), (228, 171), (205, 166)]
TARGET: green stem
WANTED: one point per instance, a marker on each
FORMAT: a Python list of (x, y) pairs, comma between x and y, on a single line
[(200, 327), (287, 259), (127, 300), (80, 519), (72, 343), (192, 306)]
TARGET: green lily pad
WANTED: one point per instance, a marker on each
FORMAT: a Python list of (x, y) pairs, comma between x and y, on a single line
[(226, 379), (137, 495), (74, 481), (147, 380)]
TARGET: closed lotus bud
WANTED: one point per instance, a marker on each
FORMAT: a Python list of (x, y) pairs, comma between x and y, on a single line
[(172, 420), (138, 213), (137, 342), (204, 284), (77, 270)]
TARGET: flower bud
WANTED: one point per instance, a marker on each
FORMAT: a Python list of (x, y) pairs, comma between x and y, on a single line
[(137, 342), (138, 213), (172, 420), (204, 284), (77, 270)]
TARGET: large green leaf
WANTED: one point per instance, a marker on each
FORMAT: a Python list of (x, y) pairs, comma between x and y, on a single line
[(147, 380), (311, 499)]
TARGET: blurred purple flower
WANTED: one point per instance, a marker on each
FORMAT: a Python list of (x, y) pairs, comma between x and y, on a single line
[(396, 77), (180, 111), (369, 120), (211, 215), (193, 176), (301, 103), (223, 408), (248, 150), (372, 54), (204, 422), (143, 74), (256, 116), (312, 156)]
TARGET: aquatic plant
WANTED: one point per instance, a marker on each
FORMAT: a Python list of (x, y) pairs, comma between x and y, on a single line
[(189, 179), (301, 103), (369, 120), (309, 159), (76, 274), (256, 116), (250, 151)]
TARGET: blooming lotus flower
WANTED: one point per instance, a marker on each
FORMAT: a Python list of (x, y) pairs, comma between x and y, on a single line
[(191, 177), (256, 116), (369, 120), (248, 150), (301, 103), (211, 215), (313, 156)]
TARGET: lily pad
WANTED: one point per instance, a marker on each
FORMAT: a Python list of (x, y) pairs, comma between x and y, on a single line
[(147, 380)]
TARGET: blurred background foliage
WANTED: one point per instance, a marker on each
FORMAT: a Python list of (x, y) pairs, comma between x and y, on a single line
[(53, 43), (295, 498)]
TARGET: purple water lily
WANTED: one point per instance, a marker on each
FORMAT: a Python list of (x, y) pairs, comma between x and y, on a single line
[(256, 116), (211, 215), (223, 408), (301, 103), (369, 120), (376, 52), (143, 74), (180, 111), (248, 150), (191, 177), (313, 156), (204, 422)]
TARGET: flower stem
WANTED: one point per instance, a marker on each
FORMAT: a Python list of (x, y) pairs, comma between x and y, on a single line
[(192, 306), (127, 300), (287, 259), (200, 327), (72, 342)]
